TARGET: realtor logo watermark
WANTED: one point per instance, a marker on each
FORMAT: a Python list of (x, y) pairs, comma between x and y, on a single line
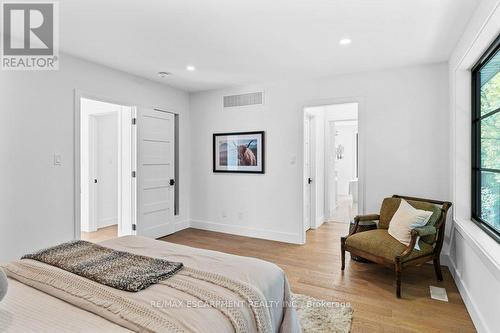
[(30, 36)]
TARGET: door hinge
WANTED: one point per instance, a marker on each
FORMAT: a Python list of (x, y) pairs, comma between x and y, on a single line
[(134, 121), (133, 174), (134, 227)]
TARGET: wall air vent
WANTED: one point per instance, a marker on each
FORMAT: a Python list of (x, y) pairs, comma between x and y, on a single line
[(244, 99)]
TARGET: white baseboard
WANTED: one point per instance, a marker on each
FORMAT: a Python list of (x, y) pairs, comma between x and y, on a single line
[(445, 260), (248, 232), (103, 223), (319, 222), (474, 312), (86, 228)]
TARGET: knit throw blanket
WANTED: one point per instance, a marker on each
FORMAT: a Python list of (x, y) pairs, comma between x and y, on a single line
[(116, 269), (133, 310)]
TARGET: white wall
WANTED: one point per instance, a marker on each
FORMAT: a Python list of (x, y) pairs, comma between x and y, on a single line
[(37, 198), (474, 257), (344, 111), (402, 114)]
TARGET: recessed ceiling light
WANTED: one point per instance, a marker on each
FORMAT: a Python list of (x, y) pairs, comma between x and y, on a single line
[(345, 41), (190, 68), (163, 74)]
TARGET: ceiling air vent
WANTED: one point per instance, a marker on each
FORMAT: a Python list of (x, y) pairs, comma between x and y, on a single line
[(244, 99)]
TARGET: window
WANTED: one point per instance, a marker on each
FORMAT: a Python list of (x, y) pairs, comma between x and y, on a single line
[(486, 141)]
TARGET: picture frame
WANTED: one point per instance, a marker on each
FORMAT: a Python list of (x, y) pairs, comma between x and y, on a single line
[(239, 152)]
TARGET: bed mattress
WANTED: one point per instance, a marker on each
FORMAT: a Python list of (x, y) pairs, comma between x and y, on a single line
[(26, 309)]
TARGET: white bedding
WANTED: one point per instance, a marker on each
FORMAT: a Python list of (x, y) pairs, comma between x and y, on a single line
[(26, 309)]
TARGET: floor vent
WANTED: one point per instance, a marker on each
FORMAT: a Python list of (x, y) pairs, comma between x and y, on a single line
[(244, 99)]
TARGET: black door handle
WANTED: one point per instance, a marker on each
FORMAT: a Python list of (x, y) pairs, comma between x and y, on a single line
[(172, 182), (95, 181), (309, 180)]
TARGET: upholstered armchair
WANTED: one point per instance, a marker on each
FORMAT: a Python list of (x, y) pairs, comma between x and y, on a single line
[(380, 247)]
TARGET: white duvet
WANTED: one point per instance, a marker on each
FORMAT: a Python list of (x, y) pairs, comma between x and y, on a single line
[(26, 309)]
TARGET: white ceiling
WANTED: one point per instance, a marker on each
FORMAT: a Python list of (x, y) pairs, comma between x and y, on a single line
[(247, 41)]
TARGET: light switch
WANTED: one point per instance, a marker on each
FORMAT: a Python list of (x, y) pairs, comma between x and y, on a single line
[(57, 160)]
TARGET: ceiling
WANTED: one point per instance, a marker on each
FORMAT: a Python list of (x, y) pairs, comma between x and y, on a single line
[(234, 42)]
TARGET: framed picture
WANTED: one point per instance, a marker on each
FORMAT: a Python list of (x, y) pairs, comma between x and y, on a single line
[(241, 152)]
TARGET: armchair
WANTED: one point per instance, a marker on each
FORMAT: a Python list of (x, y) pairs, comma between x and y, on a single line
[(380, 247)]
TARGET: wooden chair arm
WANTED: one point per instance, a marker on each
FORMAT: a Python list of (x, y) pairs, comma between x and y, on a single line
[(410, 247), (362, 218), (369, 217)]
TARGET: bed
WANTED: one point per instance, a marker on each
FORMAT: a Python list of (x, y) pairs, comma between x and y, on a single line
[(42, 308)]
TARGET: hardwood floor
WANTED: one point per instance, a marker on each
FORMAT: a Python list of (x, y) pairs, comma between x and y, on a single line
[(314, 269), (101, 234)]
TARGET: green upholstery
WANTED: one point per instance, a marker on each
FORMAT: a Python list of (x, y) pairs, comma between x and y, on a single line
[(426, 230), (436, 215), (380, 243), (391, 205)]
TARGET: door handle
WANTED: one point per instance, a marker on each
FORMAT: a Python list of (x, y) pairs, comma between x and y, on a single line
[(309, 180), (172, 182), (95, 180)]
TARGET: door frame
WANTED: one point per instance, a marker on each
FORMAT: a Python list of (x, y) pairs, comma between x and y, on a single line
[(78, 95), (361, 151)]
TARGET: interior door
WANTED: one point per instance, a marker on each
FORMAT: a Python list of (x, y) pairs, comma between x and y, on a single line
[(93, 177), (155, 172), (307, 173)]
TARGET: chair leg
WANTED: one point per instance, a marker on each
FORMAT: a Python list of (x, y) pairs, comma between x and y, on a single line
[(398, 279), (342, 251), (437, 268)]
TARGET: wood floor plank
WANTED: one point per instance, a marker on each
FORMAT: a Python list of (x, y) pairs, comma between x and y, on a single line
[(314, 269), (101, 234)]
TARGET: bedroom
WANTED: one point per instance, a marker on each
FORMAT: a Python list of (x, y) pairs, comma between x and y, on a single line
[(408, 65)]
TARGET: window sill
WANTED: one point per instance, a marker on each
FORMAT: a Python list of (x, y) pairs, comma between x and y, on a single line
[(487, 230), (487, 248)]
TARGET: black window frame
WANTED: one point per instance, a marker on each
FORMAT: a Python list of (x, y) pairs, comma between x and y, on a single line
[(476, 140)]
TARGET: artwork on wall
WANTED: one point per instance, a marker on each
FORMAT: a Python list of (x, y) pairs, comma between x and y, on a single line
[(241, 152)]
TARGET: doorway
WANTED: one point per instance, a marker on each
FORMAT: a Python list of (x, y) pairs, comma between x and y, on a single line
[(105, 169), (126, 169), (342, 170), (333, 178)]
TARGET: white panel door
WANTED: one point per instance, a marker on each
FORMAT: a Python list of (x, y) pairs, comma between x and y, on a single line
[(307, 173), (155, 172)]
